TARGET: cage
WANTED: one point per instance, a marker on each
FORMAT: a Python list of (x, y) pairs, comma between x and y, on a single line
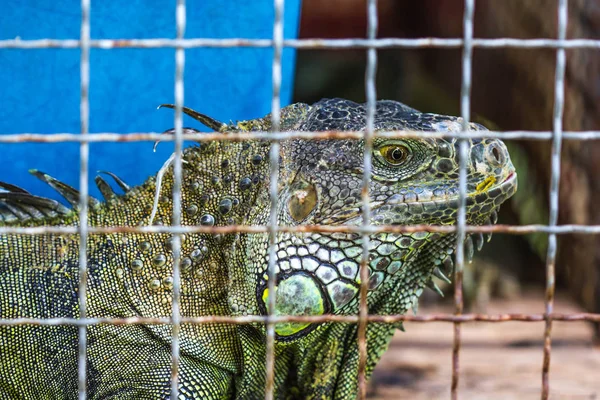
[(371, 45)]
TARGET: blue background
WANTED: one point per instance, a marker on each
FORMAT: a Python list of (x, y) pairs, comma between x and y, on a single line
[(39, 88)]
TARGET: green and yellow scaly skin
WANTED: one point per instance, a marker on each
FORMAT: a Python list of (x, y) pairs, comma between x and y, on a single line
[(414, 181)]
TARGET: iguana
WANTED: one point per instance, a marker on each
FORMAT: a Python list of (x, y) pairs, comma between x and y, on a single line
[(414, 181)]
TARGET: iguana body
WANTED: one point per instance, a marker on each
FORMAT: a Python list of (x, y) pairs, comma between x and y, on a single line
[(414, 182)]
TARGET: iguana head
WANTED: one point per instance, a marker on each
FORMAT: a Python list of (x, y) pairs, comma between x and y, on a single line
[(414, 181)]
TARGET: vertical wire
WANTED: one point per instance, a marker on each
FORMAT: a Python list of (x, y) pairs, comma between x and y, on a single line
[(371, 94), (273, 195), (180, 17), (463, 149), (84, 149), (557, 127)]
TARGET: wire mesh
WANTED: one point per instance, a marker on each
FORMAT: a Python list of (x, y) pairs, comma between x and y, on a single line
[(383, 43), (371, 92), (84, 150), (371, 44), (180, 21), (465, 108), (559, 94), (273, 196)]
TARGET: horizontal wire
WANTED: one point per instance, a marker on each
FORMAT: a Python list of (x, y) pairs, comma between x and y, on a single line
[(324, 135), (257, 229), (350, 319), (315, 44)]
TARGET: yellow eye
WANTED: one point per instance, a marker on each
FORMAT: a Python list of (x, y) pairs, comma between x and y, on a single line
[(394, 154)]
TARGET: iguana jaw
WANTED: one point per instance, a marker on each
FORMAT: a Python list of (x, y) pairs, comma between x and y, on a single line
[(442, 210), (393, 258)]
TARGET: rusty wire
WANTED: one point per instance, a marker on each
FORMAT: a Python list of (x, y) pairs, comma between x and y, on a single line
[(348, 319), (559, 99), (371, 95), (461, 220), (255, 229), (371, 44), (273, 197)]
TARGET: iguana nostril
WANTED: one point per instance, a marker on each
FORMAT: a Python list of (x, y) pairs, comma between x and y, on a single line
[(495, 154)]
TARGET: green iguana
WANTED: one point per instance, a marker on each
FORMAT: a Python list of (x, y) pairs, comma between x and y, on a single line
[(414, 181)]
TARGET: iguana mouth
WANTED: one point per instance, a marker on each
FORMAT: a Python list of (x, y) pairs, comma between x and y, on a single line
[(475, 241), (395, 211), (509, 185), (511, 176), (498, 193)]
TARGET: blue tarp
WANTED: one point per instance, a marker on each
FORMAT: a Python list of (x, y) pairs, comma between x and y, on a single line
[(39, 89)]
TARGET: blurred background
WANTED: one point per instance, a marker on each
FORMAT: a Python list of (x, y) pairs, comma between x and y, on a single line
[(513, 89), (40, 87)]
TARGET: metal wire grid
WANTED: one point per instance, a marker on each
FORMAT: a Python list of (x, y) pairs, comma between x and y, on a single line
[(278, 43), (84, 150), (463, 152), (559, 94), (273, 196)]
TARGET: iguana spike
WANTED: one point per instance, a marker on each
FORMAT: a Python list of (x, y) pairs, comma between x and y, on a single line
[(12, 188), (15, 210), (401, 326), (68, 192), (448, 265), (49, 207), (171, 131), (495, 216), (439, 274), (21, 206), (124, 186), (431, 285), (488, 236), (5, 216), (478, 240), (205, 120), (29, 210), (107, 192), (415, 306), (469, 250)]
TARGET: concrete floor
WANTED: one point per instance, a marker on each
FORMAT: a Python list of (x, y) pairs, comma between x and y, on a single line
[(497, 360)]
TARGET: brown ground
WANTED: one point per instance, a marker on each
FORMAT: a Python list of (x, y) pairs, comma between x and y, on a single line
[(497, 360)]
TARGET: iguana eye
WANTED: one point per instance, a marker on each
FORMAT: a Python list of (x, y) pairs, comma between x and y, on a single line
[(394, 154)]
